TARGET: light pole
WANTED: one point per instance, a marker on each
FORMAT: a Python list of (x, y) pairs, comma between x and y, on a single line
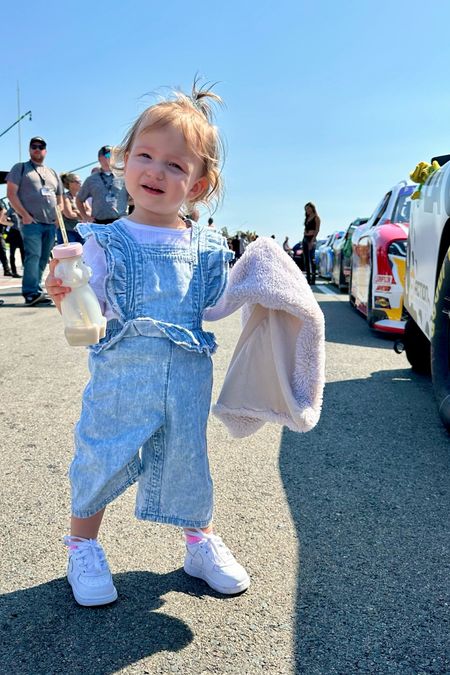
[(16, 122)]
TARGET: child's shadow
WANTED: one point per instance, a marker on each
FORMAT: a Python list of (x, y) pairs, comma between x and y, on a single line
[(43, 630)]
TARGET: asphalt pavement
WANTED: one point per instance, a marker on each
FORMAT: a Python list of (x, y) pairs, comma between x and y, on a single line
[(344, 530)]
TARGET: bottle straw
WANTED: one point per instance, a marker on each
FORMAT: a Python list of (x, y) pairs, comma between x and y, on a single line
[(62, 227), (83, 313)]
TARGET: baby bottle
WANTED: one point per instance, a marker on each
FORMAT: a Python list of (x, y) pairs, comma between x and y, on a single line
[(80, 309)]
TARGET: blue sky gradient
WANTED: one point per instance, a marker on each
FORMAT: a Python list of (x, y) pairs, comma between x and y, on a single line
[(327, 101)]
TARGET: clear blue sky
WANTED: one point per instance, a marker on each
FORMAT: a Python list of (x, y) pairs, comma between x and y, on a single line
[(326, 101)]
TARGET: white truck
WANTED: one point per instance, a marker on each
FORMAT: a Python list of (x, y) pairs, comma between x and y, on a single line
[(427, 285)]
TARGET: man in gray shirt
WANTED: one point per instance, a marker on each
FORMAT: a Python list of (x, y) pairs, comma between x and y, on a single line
[(108, 193), (33, 191)]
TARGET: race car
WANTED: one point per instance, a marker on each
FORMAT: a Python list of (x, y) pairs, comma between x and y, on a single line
[(297, 257), (342, 256), (319, 244), (325, 267), (379, 259), (427, 285)]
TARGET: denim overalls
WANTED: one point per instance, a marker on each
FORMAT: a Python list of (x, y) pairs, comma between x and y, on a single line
[(151, 379)]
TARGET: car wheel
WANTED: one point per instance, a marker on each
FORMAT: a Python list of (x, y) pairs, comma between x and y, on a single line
[(440, 342), (417, 348)]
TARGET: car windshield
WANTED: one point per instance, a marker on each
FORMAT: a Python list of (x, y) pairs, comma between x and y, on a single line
[(403, 206)]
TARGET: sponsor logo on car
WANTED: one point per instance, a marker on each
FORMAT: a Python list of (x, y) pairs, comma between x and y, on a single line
[(383, 279), (382, 303), (421, 291)]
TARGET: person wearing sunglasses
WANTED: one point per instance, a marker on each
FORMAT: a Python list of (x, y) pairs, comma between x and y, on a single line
[(71, 214), (108, 193), (34, 190)]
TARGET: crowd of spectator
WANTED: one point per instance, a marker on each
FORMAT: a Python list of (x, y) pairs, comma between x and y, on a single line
[(35, 191)]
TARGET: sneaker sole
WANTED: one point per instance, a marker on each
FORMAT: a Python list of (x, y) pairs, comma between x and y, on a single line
[(37, 299), (97, 602), (239, 588)]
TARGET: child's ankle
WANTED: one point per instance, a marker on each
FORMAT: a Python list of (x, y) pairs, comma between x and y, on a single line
[(194, 535), (73, 540)]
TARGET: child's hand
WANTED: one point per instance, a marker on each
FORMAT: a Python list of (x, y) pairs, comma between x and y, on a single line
[(54, 286)]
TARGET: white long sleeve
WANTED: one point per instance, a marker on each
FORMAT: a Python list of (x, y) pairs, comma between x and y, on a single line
[(223, 308)]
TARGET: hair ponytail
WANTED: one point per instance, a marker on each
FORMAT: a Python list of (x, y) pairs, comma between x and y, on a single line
[(202, 97)]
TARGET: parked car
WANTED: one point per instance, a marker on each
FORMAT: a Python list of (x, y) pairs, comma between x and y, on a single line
[(297, 256), (427, 285), (325, 267), (379, 259), (342, 256), (319, 243), (322, 244)]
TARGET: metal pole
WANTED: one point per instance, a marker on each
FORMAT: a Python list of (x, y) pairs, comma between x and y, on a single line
[(16, 122), (18, 126)]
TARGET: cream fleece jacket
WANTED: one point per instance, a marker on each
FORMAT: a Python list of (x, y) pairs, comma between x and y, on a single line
[(277, 372)]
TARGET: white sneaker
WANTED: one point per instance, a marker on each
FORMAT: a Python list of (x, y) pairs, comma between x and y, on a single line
[(88, 573), (210, 560)]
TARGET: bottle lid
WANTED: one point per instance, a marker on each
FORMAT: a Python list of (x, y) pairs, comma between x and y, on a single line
[(67, 250)]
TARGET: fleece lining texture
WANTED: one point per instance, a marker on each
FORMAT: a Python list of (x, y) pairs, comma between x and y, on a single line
[(277, 372)]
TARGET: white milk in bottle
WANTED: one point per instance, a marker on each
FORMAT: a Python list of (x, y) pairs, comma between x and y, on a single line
[(83, 320)]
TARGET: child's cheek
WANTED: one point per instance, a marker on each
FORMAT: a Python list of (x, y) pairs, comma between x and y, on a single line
[(128, 183)]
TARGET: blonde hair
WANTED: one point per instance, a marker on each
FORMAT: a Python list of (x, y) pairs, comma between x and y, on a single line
[(67, 178), (193, 115)]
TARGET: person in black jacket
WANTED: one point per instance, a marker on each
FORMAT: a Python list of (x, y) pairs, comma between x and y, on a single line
[(15, 241)]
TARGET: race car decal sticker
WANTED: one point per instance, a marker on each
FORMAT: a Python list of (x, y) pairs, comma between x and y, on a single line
[(382, 303)]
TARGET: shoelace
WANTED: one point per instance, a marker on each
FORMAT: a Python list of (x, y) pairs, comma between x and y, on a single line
[(89, 553), (216, 549)]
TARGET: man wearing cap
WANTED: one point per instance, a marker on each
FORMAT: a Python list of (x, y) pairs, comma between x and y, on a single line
[(33, 191), (108, 193)]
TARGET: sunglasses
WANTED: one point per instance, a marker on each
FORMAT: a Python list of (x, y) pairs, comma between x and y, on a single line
[(37, 146)]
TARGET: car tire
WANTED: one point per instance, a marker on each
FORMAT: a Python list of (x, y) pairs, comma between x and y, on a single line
[(417, 348), (440, 342)]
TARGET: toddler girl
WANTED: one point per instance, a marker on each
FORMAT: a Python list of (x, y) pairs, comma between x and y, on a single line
[(145, 408)]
